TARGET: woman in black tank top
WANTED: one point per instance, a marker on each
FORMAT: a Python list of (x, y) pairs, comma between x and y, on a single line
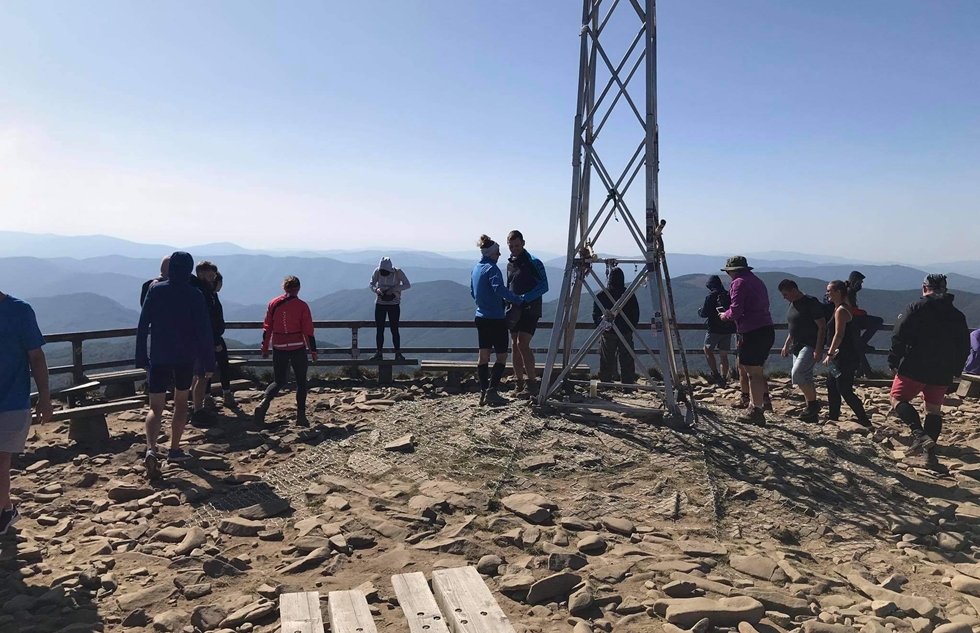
[(842, 359)]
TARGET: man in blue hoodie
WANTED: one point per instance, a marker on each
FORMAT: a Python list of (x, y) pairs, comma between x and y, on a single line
[(488, 288), (176, 317)]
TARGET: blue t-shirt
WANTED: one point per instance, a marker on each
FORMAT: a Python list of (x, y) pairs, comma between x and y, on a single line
[(19, 334)]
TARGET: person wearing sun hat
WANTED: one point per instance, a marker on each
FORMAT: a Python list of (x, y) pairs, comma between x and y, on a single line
[(753, 322)]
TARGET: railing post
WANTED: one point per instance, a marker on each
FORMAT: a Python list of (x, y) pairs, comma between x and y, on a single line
[(354, 352), (77, 374)]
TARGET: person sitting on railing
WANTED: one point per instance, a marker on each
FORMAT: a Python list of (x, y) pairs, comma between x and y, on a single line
[(611, 347), (489, 290), (288, 329), (865, 325), (164, 264), (973, 362), (175, 316), (388, 283), (719, 335)]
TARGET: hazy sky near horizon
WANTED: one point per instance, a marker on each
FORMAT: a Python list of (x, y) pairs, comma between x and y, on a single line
[(847, 128)]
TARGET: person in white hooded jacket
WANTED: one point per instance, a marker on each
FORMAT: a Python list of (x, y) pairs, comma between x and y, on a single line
[(388, 283)]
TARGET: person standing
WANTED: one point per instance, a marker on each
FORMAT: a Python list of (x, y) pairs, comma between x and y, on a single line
[(203, 280), (611, 347), (973, 361), (750, 312), (21, 357), (488, 289), (807, 329), (388, 283), (719, 335), (526, 276), (843, 358), (175, 317), (220, 347), (865, 325), (930, 345), (288, 330), (164, 264)]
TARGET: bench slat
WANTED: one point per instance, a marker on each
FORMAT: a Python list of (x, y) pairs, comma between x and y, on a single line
[(96, 409), (418, 604), (349, 613), (467, 602), (300, 612)]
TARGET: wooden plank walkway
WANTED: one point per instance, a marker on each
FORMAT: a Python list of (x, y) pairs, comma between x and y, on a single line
[(418, 604), (467, 603), (349, 613), (300, 612)]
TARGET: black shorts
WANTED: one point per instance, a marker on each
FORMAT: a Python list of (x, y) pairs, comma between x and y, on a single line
[(756, 345), (492, 334), (158, 377), (527, 324)]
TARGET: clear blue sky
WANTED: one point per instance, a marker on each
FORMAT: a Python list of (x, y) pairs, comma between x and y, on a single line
[(848, 128)]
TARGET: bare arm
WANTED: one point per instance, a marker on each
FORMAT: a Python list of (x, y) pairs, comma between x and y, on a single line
[(39, 371), (821, 337), (840, 322)]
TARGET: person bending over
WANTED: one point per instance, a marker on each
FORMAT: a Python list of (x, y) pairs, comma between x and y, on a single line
[(388, 283)]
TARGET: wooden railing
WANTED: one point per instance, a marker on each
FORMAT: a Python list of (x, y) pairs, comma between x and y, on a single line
[(79, 367)]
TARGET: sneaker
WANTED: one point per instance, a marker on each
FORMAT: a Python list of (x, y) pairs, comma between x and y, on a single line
[(743, 402), (767, 402), (722, 382), (209, 402), (398, 356), (152, 465), (229, 400), (301, 419), (203, 418), (921, 443), (520, 388), (8, 518), (754, 416), (260, 411), (177, 455), (494, 399), (378, 356), (483, 398), (866, 423), (809, 415)]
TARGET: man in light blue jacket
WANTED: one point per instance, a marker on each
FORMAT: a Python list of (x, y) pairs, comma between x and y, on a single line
[(489, 289)]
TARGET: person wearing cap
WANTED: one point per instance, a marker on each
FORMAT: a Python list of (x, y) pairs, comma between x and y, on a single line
[(753, 322), (930, 345), (489, 290), (864, 324), (388, 283)]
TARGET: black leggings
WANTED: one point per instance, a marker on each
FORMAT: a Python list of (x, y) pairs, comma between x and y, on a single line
[(281, 360), (843, 387), (224, 368), (393, 313)]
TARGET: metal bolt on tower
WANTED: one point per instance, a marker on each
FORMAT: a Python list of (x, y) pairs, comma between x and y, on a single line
[(596, 104)]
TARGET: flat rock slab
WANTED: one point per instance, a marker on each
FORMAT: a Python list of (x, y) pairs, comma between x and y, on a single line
[(778, 601), (145, 597), (702, 548), (618, 525), (536, 462), (756, 566), (237, 526), (265, 510), (686, 613), (905, 602), (553, 586), (966, 584), (816, 626)]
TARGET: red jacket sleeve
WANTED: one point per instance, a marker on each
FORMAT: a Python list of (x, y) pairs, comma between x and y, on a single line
[(267, 329), (306, 318)]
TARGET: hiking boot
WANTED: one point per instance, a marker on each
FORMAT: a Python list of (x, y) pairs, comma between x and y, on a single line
[(722, 382), (809, 415), (767, 402), (483, 398), (301, 419), (753, 416), (921, 443), (229, 400), (177, 455), (378, 356), (8, 518), (494, 399), (743, 402), (152, 464), (520, 388), (260, 411), (398, 356), (209, 402), (866, 423), (203, 418)]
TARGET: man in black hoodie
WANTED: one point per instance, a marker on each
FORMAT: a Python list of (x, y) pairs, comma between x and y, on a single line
[(719, 336), (930, 344), (610, 345)]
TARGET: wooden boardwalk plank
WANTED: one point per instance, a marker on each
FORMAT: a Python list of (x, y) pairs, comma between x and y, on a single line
[(300, 612), (467, 603), (349, 613), (418, 604)]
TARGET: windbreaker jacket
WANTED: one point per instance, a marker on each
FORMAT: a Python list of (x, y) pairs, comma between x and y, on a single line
[(750, 303), (630, 311), (288, 325), (931, 341), (526, 276), (175, 317), (717, 297), (487, 287), (391, 285)]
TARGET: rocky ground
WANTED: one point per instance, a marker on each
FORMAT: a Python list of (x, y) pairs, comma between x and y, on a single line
[(578, 522)]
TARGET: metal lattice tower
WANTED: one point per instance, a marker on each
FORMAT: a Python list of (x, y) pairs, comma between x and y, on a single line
[(596, 104)]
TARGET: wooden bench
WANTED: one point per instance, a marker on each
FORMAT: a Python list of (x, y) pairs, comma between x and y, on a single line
[(87, 425), (456, 369), (70, 393), (385, 367), (969, 386), (122, 383)]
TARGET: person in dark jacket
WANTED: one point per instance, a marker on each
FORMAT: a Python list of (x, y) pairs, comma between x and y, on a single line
[(865, 325), (175, 316), (149, 282), (719, 335), (526, 276), (973, 361), (611, 346), (203, 280), (220, 347), (930, 344)]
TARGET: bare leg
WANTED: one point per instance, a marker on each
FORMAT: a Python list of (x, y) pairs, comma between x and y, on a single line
[(519, 366), (154, 419), (524, 344), (710, 357), (809, 392), (197, 389), (5, 481), (724, 363), (757, 385), (180, 418)]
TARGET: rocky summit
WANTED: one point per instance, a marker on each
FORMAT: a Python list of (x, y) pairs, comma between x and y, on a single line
[(578, 522)]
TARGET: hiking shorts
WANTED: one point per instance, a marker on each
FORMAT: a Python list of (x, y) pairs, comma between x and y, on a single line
[(718, 342), (527, 324), (755, 347), (905, 389), (803, 364), (14, 428), (492, 334), (159, 376)]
